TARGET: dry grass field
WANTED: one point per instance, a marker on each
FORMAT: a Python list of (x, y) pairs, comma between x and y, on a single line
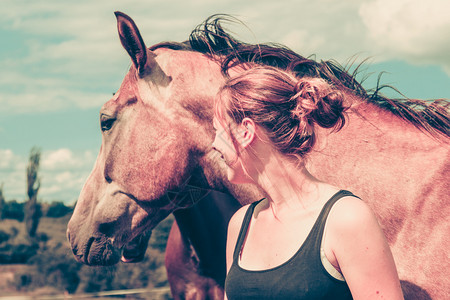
[(53, 271)]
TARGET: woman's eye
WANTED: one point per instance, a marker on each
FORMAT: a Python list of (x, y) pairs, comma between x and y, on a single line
[(106, 123)]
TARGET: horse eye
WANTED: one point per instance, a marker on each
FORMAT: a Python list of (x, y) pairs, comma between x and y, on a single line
[(106, 123)]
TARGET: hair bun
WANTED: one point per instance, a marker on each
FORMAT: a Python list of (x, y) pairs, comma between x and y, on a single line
[(306, 98), (316, 101)]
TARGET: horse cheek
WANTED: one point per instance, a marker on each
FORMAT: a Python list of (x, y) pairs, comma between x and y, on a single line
[(140, 164), (136, 172)]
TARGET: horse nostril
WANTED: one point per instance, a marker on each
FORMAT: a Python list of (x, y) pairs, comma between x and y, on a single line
[(75, 250), (106, 228)]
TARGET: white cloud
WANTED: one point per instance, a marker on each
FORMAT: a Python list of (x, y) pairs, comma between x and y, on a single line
[(14, 184), (12, 173), (62, 173), (6, 158), (64, 158), (58, 158), (50, 101), (63, 186), (323, 28), (24, 93), (414, 30)]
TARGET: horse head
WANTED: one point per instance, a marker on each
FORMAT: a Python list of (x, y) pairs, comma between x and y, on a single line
[(155, 138)]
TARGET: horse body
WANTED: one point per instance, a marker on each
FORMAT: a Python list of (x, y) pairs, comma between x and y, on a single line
[(157, 135), (402, 173)]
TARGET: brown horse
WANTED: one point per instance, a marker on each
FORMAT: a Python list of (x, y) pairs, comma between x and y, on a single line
[(156, 149)]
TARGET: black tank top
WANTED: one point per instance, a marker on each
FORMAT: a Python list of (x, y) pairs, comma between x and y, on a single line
[(303, 276)]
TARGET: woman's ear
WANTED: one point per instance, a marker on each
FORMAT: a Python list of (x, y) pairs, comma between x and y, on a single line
[(248, 132)]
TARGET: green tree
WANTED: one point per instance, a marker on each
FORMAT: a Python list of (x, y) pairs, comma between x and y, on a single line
[(32, 210), (2, 201)]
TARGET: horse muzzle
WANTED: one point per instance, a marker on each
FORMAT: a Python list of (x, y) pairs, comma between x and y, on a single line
[(95, 250), (100, 250)]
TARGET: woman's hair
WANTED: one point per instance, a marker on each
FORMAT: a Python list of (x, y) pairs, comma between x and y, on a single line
[(287, 107)]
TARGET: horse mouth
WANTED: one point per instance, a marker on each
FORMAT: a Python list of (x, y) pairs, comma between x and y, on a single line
[(99, 251), (135, 250)]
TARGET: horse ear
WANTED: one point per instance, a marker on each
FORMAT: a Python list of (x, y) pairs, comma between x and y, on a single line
[(132, 41)]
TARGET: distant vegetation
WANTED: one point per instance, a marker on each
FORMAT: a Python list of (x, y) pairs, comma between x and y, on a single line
[(15, 210), (46, 262)]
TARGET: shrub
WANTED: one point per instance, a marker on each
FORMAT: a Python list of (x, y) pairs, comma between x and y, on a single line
[(57, 210), (4, 236), (13, 210), (54, 267), (17, 254)]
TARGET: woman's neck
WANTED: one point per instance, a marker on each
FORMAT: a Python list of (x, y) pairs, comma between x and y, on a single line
[(287, 183)]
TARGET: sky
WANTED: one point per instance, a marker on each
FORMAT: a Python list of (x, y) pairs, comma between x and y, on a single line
[(61, 60)]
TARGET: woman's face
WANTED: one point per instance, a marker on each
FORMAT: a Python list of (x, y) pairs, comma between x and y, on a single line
[(227, 147)]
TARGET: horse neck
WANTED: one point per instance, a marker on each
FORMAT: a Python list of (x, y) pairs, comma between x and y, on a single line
[(204, 227), (386, 160), (373, 134), (373, 121)]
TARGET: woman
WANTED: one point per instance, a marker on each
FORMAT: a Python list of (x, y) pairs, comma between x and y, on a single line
[(306, 236)]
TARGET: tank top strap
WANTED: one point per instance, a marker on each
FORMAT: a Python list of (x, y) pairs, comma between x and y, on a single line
[(329, 204), (244, 228), (319, 225)]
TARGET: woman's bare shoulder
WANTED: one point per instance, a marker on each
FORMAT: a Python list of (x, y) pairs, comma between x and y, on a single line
[(361, 250), (349, 213), (354, 229)]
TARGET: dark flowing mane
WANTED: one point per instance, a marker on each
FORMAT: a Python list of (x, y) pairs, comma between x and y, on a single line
[(211, 39)]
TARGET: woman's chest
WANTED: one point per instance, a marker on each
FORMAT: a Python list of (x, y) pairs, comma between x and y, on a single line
[(269, 243)]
